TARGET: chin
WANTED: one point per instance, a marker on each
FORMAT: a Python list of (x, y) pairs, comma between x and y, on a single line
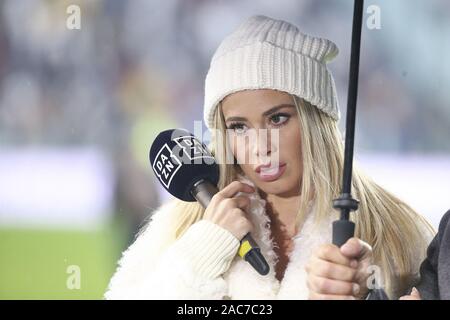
[(280, 187)]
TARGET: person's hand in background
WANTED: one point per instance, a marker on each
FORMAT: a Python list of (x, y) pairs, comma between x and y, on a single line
[(415, 295)]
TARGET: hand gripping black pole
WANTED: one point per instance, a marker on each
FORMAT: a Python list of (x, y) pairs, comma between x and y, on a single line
[(344, 229)]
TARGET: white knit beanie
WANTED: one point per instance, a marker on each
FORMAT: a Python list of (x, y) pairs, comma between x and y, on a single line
[(264, 53)]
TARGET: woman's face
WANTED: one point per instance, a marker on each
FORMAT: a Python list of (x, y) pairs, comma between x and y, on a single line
[(264, 133)]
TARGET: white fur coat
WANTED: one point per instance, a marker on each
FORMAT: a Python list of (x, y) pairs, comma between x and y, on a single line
[(151, 268)]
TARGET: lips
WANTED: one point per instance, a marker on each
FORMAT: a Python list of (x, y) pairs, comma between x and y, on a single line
[(269, 172)]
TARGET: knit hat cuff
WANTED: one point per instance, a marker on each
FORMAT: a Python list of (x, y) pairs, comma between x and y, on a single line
[(266, 66)]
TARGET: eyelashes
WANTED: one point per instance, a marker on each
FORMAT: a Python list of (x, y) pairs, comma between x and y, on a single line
[(286, 117), (277, 120), (236, 127)]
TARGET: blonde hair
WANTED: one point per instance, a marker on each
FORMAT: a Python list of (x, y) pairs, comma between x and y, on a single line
[(397, 234)]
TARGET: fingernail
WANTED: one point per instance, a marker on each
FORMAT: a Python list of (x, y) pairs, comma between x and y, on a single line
[(354, 263), (355, 289)]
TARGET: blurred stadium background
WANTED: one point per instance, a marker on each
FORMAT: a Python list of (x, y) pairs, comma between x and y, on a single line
[(80, 108)]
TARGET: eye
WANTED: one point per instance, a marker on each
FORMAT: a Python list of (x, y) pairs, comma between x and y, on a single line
[(238, 128), (279, 118)]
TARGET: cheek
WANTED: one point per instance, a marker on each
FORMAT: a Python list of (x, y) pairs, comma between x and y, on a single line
[(240, 149), (236, 148), (290, 142), (291, 152)]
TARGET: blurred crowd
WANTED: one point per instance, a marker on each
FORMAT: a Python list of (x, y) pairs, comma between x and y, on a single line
[(137, 67)]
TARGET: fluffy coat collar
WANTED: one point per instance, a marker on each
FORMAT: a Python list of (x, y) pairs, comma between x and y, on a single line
[(245, 283)]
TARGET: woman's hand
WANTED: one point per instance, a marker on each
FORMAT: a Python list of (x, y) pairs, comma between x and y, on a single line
[(339, 273), (228, 211)]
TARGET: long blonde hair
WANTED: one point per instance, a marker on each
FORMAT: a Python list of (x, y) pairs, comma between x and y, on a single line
[(398, 235)]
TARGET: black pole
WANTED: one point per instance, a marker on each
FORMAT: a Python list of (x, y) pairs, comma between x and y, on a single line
[(344, 229)]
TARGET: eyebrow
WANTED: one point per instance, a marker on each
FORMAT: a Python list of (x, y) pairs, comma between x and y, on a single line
[(265, 113)]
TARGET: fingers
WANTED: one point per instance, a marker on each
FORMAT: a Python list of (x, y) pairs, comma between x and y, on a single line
[(245, 226), (331, 253), (331, 275), (235, 187), (355, 248), (228, 210), (415, 295), (241, 202), (326, 286), (331, 270)]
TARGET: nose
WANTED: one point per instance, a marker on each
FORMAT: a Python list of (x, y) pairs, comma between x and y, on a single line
[(262, 145)]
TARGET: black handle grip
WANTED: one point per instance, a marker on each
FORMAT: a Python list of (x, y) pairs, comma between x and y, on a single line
[(342, 231), (251, 253)]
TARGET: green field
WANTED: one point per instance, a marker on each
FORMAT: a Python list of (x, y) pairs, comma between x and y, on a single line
[(34, 263)]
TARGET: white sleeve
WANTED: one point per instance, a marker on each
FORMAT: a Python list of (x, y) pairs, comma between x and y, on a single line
[(190, 267)]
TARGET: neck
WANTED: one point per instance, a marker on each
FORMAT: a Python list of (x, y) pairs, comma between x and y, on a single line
[(283, 211)]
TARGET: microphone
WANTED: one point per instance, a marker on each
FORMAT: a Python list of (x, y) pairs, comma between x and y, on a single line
[(189, 172)]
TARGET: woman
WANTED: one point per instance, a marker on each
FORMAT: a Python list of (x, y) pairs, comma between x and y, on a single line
[(267, 75)]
